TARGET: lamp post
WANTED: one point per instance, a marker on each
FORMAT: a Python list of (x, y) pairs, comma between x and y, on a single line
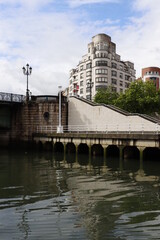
[(27, 71), (59, 128), (90, 85)]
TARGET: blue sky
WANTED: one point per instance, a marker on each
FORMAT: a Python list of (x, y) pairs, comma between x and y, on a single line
[(52, 35)]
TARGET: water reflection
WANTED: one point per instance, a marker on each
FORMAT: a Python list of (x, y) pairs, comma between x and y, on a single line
[(57, 196)]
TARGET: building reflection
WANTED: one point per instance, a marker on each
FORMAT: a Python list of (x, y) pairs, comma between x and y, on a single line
[(99, 190)]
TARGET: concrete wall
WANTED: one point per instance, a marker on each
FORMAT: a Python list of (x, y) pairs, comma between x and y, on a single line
[(87, 115)]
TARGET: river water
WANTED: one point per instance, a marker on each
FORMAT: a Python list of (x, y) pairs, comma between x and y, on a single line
[(43, 196)]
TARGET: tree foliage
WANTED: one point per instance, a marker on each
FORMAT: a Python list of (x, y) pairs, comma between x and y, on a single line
[(106, 95), (140, 97)]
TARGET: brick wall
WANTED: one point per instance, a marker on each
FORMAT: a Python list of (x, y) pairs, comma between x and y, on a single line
[(37, 113)]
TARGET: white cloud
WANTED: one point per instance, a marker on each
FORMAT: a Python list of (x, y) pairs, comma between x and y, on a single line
[(144, 5), (25, 3), (48, 42), (139, 39), (53, 43), (77, 3)]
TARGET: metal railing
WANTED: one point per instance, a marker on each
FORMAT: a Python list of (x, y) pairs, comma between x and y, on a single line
[(10, 97), (109, 128)]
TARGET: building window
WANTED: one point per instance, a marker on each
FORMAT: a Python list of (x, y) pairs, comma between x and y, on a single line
[(105, 45), (88, 73), (127, 77), (81, 67), (101, 63), (97, 46), (114, 89), (114, 81), (121, 83), (121, 75), (81, 91), (75, 78), (46, 116), (81, 83), (101, 46), (101, 79), (114, 73), (88, 65), (121, 90), (114, 65), (127, 85), (101, 71), (121, 67), (81, 75)]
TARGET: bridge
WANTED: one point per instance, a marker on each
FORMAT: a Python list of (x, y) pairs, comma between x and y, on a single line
[(93, 129), (123, 144), (8, 103)]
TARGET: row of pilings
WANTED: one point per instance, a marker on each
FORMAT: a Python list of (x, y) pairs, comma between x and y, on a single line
[(122, 152)]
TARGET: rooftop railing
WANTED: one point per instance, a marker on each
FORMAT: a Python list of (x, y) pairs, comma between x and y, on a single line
[(10, 97)]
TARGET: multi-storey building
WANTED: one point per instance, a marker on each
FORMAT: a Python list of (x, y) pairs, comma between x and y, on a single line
[(99, 68), (151, 74)]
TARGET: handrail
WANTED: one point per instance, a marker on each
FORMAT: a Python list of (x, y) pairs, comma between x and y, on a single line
[(104, 129), (10, 97)]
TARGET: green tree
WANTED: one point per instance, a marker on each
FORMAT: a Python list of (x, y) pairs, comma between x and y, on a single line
[(140, 97), (105, 95)]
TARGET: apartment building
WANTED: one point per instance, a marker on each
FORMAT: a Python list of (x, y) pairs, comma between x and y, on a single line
[(152, 74), (99, 68)]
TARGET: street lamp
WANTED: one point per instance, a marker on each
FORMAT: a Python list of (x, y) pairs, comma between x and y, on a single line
[(27, 71), (90, 85), (59, 128)]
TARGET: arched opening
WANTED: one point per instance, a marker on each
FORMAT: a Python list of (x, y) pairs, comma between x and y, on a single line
[(151, 161), (83, 148), (48, 146), (131, 156), (58, 147), (97, 161), (83, 160), (131, 152), (112, 151), (151, 153), (70, 148), (97, 150), (71, 158), (70, 153)]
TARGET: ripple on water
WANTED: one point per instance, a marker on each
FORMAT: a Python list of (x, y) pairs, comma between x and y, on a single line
[(143, 225)]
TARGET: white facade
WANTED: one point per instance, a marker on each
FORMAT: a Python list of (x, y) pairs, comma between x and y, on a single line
[(99, 68), (84, 115)]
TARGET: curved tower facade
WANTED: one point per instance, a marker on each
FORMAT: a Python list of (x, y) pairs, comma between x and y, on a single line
[(152, 74), (99, 68)]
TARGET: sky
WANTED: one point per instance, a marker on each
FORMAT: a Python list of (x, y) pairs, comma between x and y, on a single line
[(52, 36)]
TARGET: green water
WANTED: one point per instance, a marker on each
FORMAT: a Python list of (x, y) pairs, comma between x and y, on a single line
[(43, 196)]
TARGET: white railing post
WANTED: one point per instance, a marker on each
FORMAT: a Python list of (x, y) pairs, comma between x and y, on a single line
[(157, 128), (106, 128), (142, 128), (117, 128), (129, 128)]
